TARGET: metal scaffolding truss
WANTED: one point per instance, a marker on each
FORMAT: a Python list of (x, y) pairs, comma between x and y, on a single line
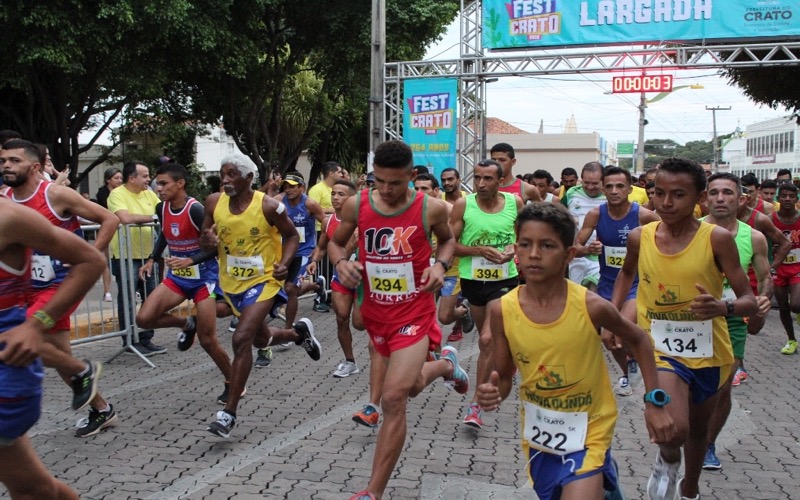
[(473, 69)]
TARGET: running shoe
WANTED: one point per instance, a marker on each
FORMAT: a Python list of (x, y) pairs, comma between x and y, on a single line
[(84, 387), (186, 337), (263, 358), (467, 322), (345, 369), (711, 462), (663, 480), (321, 307), (107, 297), (223, 398), (623, 387), (234, 324), (97, 421), (322, 292), (153, 348), (458, 380), (305, 332), (363, 495), (367, 416), (474, 416), (457, 333), (743, 375), (790, 347), (223, 425), (634, 374)]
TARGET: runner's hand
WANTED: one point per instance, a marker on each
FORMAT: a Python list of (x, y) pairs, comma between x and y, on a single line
[(488, 393), (659, 424), (764, 305), (279, 271), (209, 238), (349, 273), (610, 340), (178, 262), (21, 344), (706, 306), (146, 270), (494, 256), (432, 278), (311, 268)]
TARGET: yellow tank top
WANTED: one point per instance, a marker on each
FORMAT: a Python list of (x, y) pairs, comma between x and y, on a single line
[(248, 245), (564, 380), (666, 290)]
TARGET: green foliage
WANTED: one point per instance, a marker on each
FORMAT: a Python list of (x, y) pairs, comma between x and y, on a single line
[(658, 150), (775, 86)]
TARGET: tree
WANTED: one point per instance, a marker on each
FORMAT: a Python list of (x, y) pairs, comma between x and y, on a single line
[(775, 86), (659, 150)]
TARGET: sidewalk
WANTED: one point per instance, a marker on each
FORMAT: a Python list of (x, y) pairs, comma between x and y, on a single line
[(294, 437)]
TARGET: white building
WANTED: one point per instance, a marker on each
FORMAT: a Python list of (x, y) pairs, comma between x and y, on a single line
[(766, 147)]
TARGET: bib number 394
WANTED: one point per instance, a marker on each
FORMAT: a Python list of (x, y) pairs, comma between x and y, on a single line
[(559, 433), (684, 339), (485, 270)]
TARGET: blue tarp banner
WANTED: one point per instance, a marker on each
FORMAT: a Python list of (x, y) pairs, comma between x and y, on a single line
[(430, 124)]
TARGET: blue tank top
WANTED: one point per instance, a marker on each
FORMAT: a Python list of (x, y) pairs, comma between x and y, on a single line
[(613, 234), (305, 224)]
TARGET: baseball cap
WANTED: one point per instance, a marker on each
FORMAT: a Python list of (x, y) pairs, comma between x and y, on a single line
[(294, 178)]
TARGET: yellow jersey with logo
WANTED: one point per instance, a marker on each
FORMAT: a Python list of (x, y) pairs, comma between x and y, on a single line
[(248, 245), (667, 286), (565, 392)]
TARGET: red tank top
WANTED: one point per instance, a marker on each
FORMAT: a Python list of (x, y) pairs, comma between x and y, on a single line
[(395, 250), (515, 188), (792, 231), (751, 221), (183, 237), (14, 289), (46, 271), (330, 227), (759, 205)]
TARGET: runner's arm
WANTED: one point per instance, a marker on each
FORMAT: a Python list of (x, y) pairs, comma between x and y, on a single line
[(492, 393), (629, 270), (585, 232), (349, 272), (197, 214), (208, 231), (75, 204), (776, 236), (275, 213), (761, 265)]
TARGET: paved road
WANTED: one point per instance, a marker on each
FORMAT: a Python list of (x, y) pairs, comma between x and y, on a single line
[(295, 439)]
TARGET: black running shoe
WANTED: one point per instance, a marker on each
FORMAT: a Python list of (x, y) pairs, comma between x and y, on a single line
[(84, 387), (305, 332), (186, 337), (97, 421), (223, 425)]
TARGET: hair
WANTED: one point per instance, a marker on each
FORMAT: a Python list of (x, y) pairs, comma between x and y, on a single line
[(393, 154), (650, 170), (110, 172), (345, 182), (451, 169), (555, 215), (542, 174), (569, 171), (129, 170), (176, 171), (490, 163), (427, 177), (420, 169), (649, 185), (769, 184), (242, 163), (503, 147), (787, 186), (686, 166), (32, 150), (555, 184), (613, 170), (7, 135), (749, 179), (329, 167), (783, 171), (730, 177), (592, 166)]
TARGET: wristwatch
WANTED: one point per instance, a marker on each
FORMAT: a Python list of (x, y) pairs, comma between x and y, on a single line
[(444, 264), (729, 307), (657, 397)]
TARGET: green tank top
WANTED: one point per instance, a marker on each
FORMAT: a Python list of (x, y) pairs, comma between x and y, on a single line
[(491, 230)]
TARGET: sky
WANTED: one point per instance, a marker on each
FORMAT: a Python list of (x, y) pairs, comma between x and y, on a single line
[(681, 116)]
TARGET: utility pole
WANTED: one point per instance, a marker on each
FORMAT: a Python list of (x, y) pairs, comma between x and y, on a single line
[(640, 154), (715, 166), (377, 62)]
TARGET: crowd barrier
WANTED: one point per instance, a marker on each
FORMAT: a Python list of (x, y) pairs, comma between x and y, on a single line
[(95, 320)]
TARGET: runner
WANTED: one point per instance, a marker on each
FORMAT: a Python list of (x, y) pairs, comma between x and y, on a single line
[(342, 298), (535, 329), (580, 200), (246, 228), (503, 154), (787, 276), (542, 179), (754, 200), (21, 372), (396, 285), (483, 226), (612, 222), (681, 262), (21, 163), (191, 273), (724, 197)]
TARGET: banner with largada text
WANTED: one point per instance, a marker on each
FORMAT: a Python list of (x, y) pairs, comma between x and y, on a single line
[(516, 24), (430, 125)]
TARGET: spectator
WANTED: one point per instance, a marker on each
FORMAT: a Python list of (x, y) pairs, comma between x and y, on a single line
[(113, 179)]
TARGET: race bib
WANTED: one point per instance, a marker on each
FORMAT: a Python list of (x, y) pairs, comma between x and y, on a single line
[(485, 270), (793, 257), (42, 268), (391, 279), (615, 256), (244, 268), (187, 273), (684, 339), (559, 433), (301, 232)]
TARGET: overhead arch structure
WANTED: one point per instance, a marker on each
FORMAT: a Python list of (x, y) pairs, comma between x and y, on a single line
[(473, 68)]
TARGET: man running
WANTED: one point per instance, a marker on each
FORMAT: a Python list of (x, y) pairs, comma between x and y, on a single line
[(787, 275), (21, 372), (256, 242), (504, 154), (681, 264), (483, 226), (21, 164), (579, 200), (612, 222), (397, 283), (191, 273)]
